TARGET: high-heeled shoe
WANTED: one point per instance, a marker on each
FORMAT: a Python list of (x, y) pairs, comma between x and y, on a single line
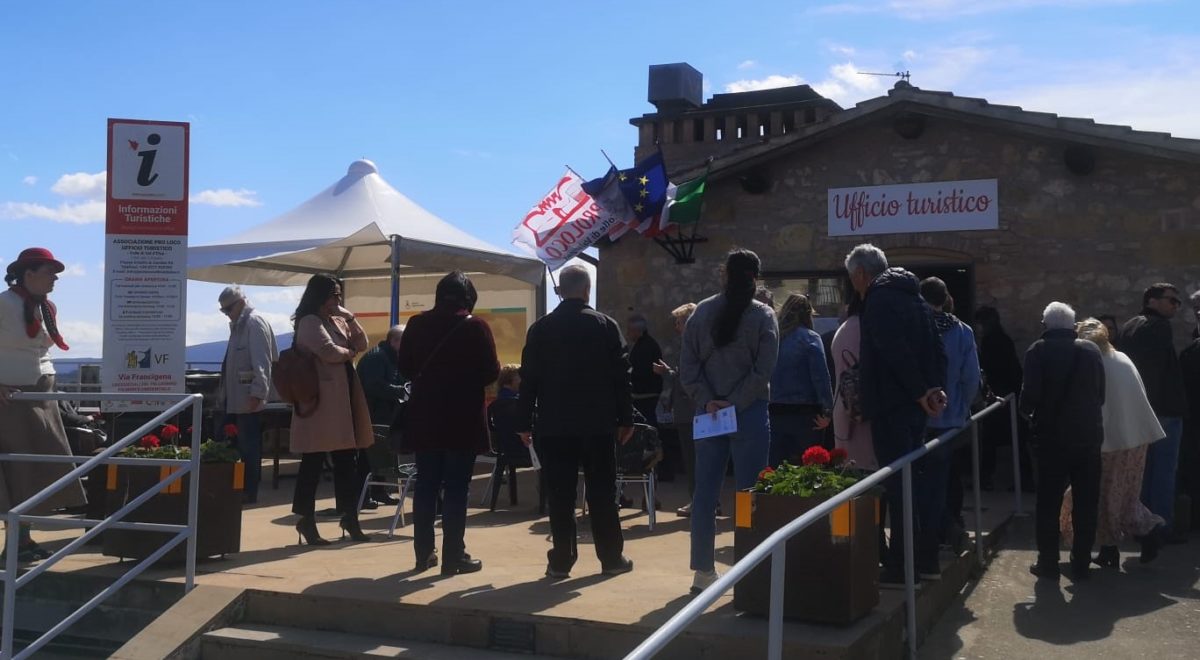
[(1151, 544), (1109, 557), (350, 526), (306, 528)]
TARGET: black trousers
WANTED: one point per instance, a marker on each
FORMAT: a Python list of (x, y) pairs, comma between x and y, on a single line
[(562, 458), (1059, 467), (345, 481), (449, 473)]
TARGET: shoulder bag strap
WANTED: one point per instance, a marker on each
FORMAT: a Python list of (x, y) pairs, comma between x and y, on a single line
[(440, 344)]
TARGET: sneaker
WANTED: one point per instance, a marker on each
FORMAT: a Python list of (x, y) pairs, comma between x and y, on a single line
[(684, 511), (704, 580), (623, 565)]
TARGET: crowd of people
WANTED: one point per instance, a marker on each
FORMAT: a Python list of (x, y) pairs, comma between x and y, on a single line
[(1102, 407)]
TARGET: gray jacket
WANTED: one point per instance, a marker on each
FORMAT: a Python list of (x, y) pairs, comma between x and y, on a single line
[(246, 369), (739, 372)]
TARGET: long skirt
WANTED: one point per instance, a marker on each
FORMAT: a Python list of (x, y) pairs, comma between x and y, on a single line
[(34, 427), (1121, 512)]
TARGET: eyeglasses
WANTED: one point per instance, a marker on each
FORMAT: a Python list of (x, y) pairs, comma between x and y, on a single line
[(228, 308)]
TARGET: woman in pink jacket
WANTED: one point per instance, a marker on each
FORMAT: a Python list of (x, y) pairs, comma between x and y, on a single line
[(850, 432), (341, 423)]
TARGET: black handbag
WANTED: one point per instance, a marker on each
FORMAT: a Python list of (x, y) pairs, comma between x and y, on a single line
[(396, 431)]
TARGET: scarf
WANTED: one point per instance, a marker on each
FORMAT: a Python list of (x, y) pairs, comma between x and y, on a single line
[(33, 322)]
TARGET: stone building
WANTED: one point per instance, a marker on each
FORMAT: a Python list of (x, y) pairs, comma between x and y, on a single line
[(1082, 212)]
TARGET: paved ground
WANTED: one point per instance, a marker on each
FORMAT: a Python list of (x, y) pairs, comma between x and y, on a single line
[(1140, 611)]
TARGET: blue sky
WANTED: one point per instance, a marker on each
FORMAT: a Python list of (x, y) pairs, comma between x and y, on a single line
[(473, 109)]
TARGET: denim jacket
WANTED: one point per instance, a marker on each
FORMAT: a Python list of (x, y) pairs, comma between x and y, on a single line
[(801, 374)]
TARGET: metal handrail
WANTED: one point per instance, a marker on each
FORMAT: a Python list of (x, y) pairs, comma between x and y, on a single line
[(775, 545), (19, 513)]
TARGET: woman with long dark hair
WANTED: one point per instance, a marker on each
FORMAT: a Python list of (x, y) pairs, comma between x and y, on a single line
[(729, 350), (340, 424)]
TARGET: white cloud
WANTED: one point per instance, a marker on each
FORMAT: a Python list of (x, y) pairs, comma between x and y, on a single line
[(81, 184), (203, 327), (770, 82), (226, 197), (80, 214), (30, 180), (747, 64), (74, 270), (844, 51), (85, 338)]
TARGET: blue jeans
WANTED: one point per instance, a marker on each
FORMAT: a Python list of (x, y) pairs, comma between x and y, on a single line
[(791, 434), (750, 447), (249, 445), (450, 473), (1162, 461)]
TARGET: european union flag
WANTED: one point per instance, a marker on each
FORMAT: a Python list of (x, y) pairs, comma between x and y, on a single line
[(645, 186)]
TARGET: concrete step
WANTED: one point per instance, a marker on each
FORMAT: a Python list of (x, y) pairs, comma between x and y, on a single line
[(266, 642)]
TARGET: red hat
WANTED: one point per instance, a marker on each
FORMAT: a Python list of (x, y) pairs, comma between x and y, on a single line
[(34, 257)]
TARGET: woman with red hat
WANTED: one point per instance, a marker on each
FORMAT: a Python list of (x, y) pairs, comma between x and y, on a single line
[(28, 328)]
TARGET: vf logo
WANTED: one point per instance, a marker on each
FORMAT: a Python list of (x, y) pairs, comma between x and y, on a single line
[(146, 174)]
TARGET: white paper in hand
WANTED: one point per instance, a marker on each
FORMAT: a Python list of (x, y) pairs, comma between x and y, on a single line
[(707, 425), (537, 465)]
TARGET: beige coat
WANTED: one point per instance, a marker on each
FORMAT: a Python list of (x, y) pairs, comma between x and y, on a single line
[(341, 420)]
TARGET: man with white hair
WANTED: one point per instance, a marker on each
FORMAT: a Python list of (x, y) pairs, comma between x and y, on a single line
[(1063, 396), (246, 379), (901, 374)]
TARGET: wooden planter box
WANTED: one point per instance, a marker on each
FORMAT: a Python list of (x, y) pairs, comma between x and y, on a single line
[(219, 517), (832, 567)]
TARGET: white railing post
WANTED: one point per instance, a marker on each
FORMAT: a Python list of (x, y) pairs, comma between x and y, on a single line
[(193, 493), (12, 539), (978, 494), (775, 544), (1016, 454), (910, 577), (775, 625)]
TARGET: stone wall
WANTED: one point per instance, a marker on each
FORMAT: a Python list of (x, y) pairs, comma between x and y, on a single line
[(1094, 241)]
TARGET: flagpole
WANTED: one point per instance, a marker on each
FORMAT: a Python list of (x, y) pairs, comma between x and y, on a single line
[(550, 272), (610, 161), (575, 173)]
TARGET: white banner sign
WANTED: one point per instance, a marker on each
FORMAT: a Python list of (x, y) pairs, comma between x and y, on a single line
[(914, 207), (567, 220), (145, 260)]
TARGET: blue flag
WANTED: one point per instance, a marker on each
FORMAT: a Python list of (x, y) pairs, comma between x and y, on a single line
[(645, 186)]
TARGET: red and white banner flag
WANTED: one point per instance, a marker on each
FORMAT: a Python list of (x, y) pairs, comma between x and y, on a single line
[(563, 223)]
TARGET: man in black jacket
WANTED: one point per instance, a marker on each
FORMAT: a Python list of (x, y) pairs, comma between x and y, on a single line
[(1147, 340), (902, 369), (1063, 395), (575, 371), (382, 383)]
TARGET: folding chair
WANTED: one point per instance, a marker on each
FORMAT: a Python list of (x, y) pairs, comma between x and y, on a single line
[(649, 482), (399, 476)]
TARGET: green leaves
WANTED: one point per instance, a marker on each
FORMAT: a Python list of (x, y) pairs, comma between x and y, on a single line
[(804, 480)]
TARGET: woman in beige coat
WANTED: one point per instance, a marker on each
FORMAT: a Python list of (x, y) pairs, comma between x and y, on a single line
[(341, 423)]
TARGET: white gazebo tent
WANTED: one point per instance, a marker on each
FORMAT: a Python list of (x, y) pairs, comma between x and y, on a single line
[(390, 252)]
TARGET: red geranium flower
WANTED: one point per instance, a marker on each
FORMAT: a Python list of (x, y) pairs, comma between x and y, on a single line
[(169, 432), (767, 470), (149, 441), (837, 456), (815, 456), (230, 430)]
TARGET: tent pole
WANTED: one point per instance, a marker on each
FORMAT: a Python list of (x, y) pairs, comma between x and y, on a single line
[(395, 307)]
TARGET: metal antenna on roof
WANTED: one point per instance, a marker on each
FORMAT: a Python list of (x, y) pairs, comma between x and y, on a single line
[(902, 75)]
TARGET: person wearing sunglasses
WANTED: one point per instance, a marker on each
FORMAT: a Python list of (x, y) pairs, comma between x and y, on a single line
[(1147, 340)]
